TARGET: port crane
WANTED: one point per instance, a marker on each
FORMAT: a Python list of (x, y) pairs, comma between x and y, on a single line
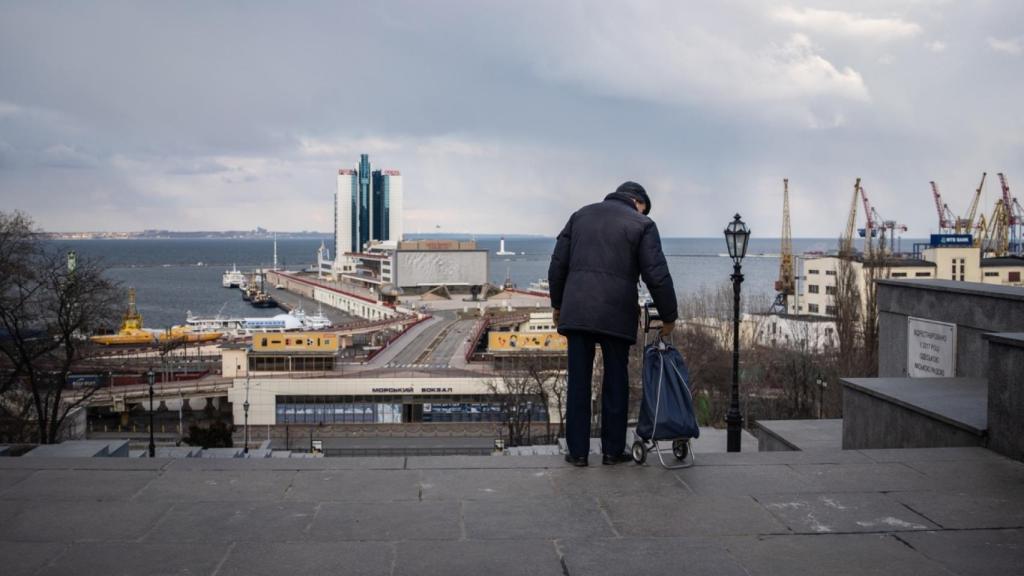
[(996, 239), (1001, 233), (947, 222), (968, 225), (1014, 216), (785, 286), (846, 241), (875, 225), (870, 229)]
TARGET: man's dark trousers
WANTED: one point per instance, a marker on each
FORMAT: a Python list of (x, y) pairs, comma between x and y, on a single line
[(614, 392)]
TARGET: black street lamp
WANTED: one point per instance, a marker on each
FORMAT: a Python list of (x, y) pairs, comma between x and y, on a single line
[(736, 236), (245, 409), (822, 384), (152, 444)]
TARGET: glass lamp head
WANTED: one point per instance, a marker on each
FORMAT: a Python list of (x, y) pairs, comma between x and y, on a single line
[(736, 236)]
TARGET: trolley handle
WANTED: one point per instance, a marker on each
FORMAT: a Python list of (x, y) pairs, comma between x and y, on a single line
[(652, 322), (652, 318)]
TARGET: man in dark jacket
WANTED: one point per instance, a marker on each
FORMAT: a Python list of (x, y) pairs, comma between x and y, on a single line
[(599, 257)]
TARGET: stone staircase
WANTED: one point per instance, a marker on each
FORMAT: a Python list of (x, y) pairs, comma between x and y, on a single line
[(982, 404)]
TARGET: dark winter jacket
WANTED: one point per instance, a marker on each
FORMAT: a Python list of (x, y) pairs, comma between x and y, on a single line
[(599, 257)]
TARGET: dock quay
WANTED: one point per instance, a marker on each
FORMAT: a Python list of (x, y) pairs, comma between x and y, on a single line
[(348, 299)]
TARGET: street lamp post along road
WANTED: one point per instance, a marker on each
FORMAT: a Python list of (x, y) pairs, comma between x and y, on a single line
[(245, 409), (822, 384), (736, 236), (150, 376)]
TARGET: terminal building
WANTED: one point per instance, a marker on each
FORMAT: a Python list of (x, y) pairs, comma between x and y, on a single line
[(291, 379), (328, 401), (411, 267)]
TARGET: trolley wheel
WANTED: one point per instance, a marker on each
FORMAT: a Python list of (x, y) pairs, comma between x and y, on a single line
[(639, 452), (680, 449)]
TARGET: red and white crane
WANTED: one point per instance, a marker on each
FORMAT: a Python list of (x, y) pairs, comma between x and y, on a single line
[(947, 222), (876, 225)]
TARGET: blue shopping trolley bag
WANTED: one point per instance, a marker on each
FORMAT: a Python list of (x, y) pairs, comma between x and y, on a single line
[(666, 411)]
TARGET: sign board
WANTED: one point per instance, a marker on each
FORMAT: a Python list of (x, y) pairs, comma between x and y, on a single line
[(83, 380), (513, 341), (931, 348), (963, 240)]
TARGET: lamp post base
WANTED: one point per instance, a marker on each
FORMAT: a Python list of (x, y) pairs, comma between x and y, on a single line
[(734, 429)]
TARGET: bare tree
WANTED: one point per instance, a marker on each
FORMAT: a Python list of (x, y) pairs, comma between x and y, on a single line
[(847, 302), (516, 390), (558, 389), (548, 372), (48, 306), (876, 266)]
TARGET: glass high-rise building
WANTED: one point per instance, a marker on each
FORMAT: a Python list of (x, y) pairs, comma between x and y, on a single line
[(367, 206), (365, 209), (386, 209)]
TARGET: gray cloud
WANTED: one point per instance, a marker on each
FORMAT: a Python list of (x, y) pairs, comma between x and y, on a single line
[(503, 117)]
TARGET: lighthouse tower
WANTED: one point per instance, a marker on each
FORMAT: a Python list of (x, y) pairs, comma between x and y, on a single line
[(501, 249)]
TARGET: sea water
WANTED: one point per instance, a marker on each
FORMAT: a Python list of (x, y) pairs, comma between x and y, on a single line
[(173, 277)]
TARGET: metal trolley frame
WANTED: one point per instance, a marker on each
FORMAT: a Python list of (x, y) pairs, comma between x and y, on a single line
[(681, 447)]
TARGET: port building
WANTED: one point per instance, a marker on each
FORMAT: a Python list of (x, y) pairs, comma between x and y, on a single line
[(387, 268), (937, 260)]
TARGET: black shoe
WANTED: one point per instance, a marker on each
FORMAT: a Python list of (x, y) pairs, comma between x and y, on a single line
[(576, 461), (613, 459)]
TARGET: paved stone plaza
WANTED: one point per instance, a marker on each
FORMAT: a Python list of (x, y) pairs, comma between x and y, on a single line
[(921, 512)]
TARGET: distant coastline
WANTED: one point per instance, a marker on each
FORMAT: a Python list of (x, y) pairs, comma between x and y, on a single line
[(258, 234), (262, 234)]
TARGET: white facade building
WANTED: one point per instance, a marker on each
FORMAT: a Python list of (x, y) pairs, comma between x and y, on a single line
[(345, 225)]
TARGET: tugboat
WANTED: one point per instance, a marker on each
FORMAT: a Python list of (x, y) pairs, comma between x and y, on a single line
[(263, 300), (259, 297), (132, 332), (248, 288)]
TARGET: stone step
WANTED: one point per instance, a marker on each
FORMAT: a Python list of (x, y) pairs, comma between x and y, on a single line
[(914, 412), (775, 435)]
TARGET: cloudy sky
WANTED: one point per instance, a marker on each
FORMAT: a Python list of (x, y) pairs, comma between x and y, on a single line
[(505, 116)]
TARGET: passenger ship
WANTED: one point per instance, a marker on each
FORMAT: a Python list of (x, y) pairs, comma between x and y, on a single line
[(232, 278)]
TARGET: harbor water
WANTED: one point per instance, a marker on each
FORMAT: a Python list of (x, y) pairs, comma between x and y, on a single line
[(172, 277)]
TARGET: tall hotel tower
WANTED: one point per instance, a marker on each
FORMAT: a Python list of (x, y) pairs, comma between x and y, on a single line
[(367, 206)]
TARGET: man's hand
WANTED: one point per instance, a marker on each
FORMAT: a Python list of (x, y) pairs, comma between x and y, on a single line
[(555, 313), (667, 328)]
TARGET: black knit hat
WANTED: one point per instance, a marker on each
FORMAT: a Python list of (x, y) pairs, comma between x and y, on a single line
[(636, 191)]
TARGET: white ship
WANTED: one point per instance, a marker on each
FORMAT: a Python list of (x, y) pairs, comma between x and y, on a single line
[(232, 278), (540, 285), (294, 320), (316, 321), (279, 323)]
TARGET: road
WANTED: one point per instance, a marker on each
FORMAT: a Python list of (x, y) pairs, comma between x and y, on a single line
[(449, 344), (435, 346)]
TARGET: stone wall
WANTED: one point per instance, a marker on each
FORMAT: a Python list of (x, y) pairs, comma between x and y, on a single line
[(975, 308), (870, 422), (1006, 394)]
